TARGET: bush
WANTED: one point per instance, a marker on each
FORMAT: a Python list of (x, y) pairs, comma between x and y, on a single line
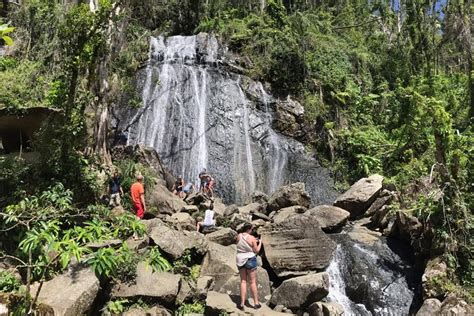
[(8, 282)]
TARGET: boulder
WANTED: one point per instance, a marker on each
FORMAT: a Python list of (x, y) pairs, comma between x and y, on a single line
[(161, 201), (455, 306), (300, 292), (219, 263), (154, 311), (151, 223), (230, 210), (183, 221), (259, 215), (378, 203), (430, 307), (360, 196), (289, 117), (175, 243), (222, 304), (296, 246), (406, 227), (196, 198), (380, 218), (117, 211), (251, 208), (137, 244), (81, 286), (436, 272), (219, 207), (330, 218), (190, 209), (185, 293), (289, 195), (224, 236), (204, 284), (232, 286), (259, 197), (163, 286), (325, 309), (282, 214)]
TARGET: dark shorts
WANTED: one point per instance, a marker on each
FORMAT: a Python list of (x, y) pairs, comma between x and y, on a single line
[(251, 264)]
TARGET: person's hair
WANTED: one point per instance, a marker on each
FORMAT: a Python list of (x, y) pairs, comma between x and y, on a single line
[(139, 176), (246, 227), (211, 207)]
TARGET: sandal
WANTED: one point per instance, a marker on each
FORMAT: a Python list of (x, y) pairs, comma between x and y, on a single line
[(257, 306), (241, 307)]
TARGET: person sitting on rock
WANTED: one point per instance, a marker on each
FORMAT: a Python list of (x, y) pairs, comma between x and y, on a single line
[(247, 249), (178, 187), (209, 221), (115, 190), (188, 189)]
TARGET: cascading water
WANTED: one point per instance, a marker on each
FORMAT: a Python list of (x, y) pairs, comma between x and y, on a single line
[(198, 114), (369, 278)]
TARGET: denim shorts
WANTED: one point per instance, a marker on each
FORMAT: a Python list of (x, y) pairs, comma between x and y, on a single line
[(251, 264)]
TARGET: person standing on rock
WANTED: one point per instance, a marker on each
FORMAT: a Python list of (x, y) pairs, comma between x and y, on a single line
[(115, 190), (247, 249), (137, 192)]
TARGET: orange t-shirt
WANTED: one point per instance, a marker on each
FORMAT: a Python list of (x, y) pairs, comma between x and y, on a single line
[(136, 190)]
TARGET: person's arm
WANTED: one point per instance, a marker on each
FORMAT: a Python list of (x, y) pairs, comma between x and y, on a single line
[(121, 191), (256, 245)]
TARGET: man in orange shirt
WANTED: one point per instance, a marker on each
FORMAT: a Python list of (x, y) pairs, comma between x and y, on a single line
[(138, 196)]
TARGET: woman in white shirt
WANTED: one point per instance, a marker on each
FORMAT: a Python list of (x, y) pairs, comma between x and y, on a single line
[(209, 220), (247, 249)]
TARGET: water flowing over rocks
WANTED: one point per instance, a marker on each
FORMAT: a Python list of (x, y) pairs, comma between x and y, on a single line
[(197, 114)]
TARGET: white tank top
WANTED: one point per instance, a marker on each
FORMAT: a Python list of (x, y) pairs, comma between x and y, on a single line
[(244, 250)]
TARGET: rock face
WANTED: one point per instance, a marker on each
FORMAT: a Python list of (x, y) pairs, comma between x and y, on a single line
[(300, 292), (436, 271), (282, 214), (183, 221), (219, 262), (453, 305), (175, 242), (163, 286), (430, 307), (161, 201), (330, 218), (325, 309), (360, 196), (81, 286), (289, 195), (232, 285), (297, 246), (224, 236), (203, 115)]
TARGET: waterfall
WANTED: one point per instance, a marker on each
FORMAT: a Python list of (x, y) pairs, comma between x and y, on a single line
[(198, 114)]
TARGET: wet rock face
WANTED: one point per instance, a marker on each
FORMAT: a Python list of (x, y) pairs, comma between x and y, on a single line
[(197, 114), (375, 277)]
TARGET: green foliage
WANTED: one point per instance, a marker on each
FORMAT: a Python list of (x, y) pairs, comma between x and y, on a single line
[(156, 261), (8, 282), (195, 307), (117, 306), (128, 171), (4, 31)]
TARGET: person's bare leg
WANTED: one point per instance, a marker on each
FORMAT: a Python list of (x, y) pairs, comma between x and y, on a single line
[(243, 286), (253, 286)]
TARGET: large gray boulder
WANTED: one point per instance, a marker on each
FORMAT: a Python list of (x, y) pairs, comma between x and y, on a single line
[(219, 263), (154, 311), (436, 272), (251, 208), (330, 218), (455, 306), (289, 195), (175, 242), (296, 246), (224, 236), (69, 294), (232, 286), (430, 307), (163, 286), (204, 284), (360, 196), (300, 292), (161, 201), (222, 304), (282, 214), (182, 221), (325, 309)]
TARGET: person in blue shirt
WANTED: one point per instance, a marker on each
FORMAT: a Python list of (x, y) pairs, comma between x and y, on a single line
[(115, 190)]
